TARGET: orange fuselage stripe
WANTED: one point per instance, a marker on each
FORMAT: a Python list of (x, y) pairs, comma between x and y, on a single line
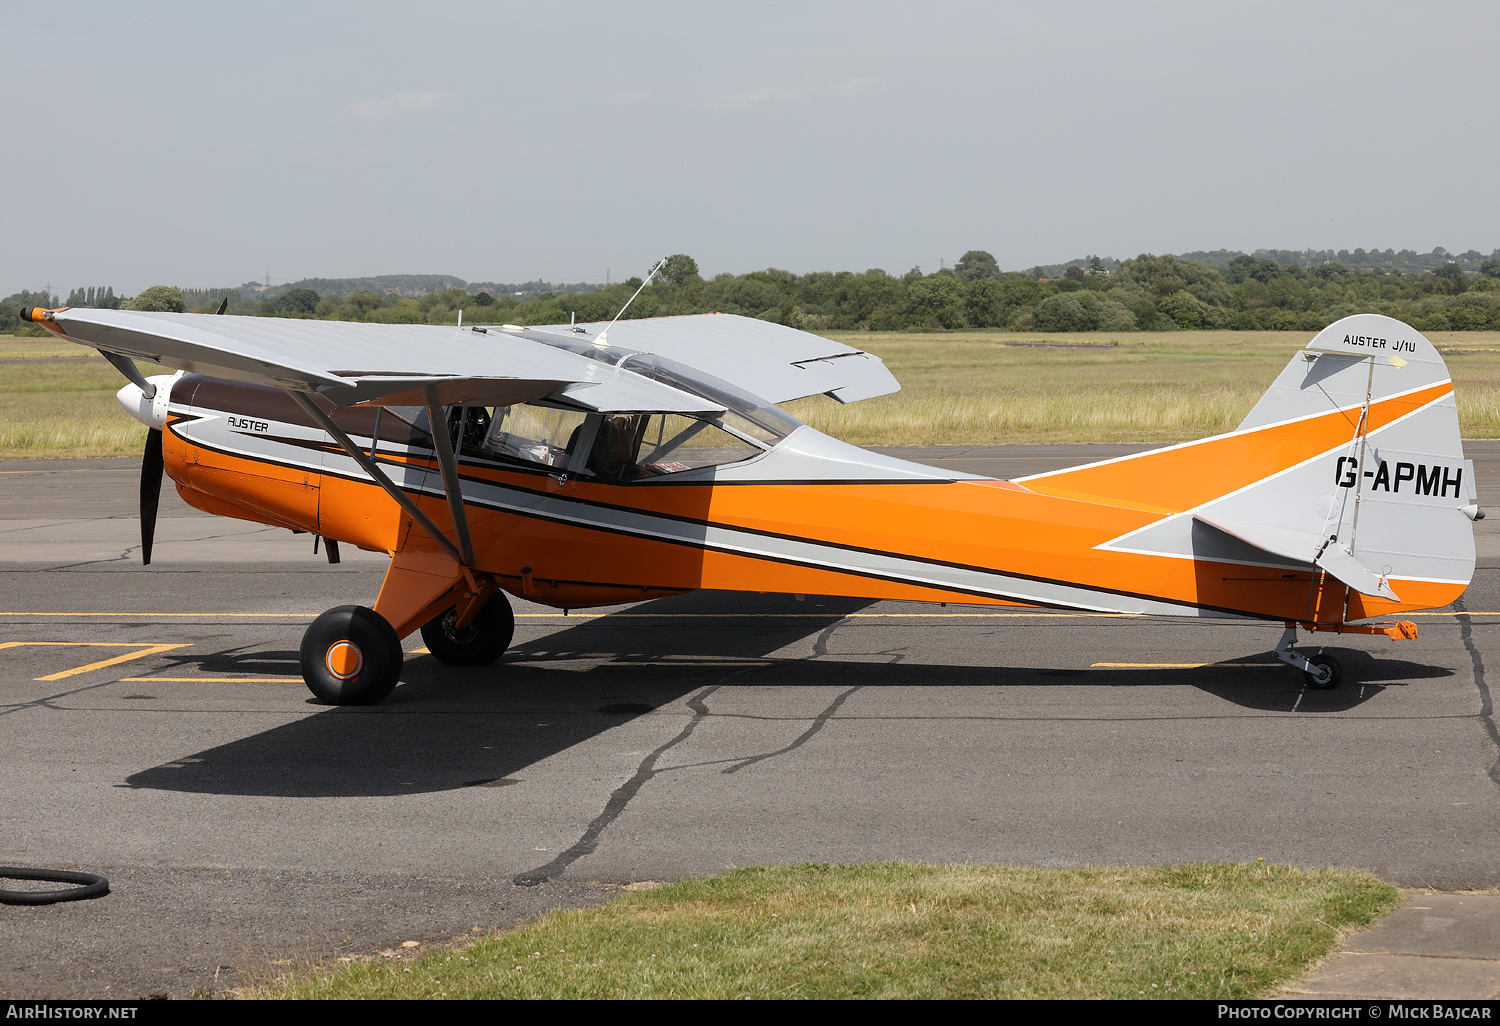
[(1048, 528)]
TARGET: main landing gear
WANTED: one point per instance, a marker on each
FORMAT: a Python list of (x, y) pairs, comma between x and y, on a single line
[(480, 643), (352, 656)]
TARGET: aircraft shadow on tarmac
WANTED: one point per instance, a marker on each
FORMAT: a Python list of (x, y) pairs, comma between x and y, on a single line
[(446, 728)]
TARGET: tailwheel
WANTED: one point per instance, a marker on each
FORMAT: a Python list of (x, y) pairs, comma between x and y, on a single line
[(480, 643), (1325, 673), (351, 656)]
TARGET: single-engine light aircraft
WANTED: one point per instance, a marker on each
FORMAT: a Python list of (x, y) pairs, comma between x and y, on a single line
[(589, 465)]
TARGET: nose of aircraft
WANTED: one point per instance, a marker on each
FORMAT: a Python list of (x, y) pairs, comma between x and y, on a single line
[(150, 412)]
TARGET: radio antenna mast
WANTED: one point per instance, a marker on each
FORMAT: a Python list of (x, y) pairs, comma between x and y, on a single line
[(600, 339)]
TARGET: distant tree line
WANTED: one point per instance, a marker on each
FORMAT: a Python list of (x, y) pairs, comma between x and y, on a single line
[(1148, 293)]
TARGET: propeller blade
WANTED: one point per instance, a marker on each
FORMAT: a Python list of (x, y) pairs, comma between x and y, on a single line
[(151, 471), (223, 305)]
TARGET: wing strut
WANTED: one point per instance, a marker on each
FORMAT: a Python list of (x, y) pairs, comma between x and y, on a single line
[(126, 366), (372, 468), (443, 445)]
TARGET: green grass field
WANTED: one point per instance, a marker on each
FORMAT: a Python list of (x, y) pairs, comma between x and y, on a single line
[(996, 387), (901, 931), (58, 400), (962, 387)]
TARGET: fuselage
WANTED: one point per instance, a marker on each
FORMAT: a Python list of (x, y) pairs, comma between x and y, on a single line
[(803, 514)]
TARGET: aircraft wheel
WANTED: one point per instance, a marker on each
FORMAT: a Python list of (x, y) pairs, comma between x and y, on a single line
[(351, 656), (1328, 675), (479, 644)]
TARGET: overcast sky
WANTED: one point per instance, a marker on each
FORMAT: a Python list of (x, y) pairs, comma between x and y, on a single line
[(205, 145)]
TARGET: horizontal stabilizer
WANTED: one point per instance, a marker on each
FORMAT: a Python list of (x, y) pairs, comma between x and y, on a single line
[(1303, 548)]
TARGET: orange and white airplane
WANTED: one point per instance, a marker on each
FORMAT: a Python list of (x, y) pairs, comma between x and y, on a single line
[(581, 465)]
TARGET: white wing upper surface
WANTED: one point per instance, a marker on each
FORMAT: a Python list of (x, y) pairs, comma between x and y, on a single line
[(395, 363), (769, 360)]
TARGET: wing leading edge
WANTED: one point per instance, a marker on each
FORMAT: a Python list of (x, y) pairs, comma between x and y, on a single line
[(377, 364), (386, 364)]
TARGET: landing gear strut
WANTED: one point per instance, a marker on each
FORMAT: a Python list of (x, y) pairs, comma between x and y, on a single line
[(1321, 672)]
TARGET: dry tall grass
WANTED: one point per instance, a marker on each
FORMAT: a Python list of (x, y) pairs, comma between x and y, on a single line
[(969, 387), (55, 402), (957, 388)]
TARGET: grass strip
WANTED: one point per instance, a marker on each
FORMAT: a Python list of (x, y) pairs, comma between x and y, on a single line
[(959, 387), (902, 931)]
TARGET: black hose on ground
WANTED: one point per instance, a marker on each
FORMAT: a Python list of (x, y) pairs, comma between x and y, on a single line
[(91, 886)]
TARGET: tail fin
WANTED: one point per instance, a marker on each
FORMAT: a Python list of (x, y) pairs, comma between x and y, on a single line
[(1351, 463), (1389, 509)]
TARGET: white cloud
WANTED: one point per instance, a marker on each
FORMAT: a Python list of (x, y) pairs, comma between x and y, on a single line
[(397, 105), (627, 97)]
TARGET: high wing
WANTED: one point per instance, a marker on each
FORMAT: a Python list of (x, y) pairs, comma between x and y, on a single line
[(398, 364), (769, 360)]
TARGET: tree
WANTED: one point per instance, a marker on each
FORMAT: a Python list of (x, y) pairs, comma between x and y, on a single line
[(1452, 276), (986, 306), (1186, 309), (1070, 311), (681, 269), (976, 265), (939, 299), (297, 303), (1073, 273), (365, 302), (159, 299)]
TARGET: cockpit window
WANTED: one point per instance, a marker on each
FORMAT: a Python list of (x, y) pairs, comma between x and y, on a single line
[(671, 443), (637, 446), (746, 413), (614, 447), (535, 434)]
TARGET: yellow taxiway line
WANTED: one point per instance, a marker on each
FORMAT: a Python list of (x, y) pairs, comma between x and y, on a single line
[(146, 649)]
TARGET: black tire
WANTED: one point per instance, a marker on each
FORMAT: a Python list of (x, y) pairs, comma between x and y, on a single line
[(90, 885), (351, 656), (481, 643), (1327, 663)]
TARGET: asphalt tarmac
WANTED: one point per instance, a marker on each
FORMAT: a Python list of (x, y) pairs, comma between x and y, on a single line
[(155, 731)]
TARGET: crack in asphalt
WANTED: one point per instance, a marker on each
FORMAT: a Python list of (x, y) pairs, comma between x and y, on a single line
[(46, 702), (622, 795), (1486, 703), (820, 648), (817, 725), (648, 768)]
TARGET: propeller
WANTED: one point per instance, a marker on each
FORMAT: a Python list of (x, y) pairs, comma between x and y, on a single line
[(151, 471)]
